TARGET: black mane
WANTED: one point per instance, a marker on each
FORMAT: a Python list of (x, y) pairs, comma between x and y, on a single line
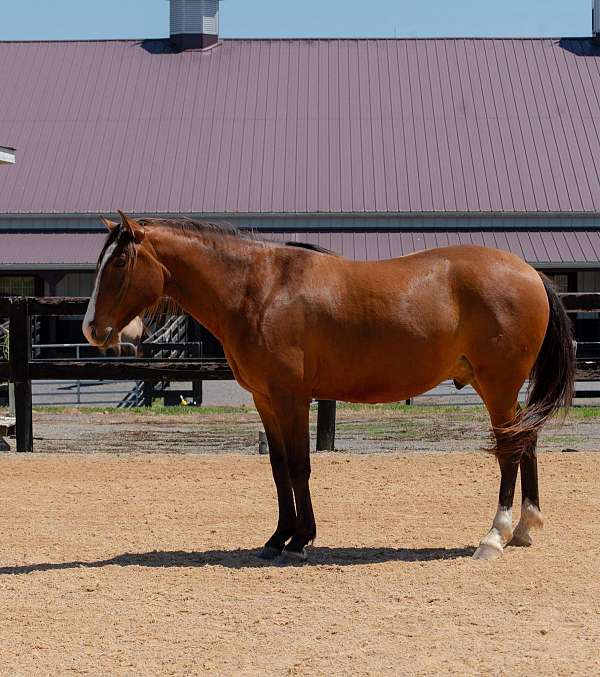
[(190, 225), (310, 247)]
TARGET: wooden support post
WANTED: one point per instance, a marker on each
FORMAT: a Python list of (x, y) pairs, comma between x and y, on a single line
[(326, 425), (148, 393), (197, 392), (196, 351), (19, 356)]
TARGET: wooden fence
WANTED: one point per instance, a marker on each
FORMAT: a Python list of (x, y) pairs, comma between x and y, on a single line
[(21, 369)]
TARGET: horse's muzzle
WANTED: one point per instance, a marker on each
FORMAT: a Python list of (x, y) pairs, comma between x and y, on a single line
[(94, 338)]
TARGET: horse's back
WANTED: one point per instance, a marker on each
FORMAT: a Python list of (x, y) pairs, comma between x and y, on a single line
[(406, 324), (472, 256)]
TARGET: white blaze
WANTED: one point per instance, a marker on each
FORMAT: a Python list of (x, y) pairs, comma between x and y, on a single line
[(90, 314)]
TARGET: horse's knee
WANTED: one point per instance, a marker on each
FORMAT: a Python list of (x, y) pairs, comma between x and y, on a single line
[(277, 458), (299, 470)]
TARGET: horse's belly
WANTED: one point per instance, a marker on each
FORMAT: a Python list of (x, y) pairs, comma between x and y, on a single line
[(372, 382)]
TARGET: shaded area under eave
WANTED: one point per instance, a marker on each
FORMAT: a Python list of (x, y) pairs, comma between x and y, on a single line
[(578, 248)]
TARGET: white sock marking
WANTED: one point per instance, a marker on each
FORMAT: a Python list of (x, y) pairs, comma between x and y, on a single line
[(531, 518), (501, 532)]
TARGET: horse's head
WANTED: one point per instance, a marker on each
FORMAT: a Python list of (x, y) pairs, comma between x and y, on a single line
[(129, 279)]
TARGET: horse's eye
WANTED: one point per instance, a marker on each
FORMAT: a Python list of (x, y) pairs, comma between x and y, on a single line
[(119, 262)]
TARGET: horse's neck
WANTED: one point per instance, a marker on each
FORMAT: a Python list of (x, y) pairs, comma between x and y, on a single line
[(208, 276)]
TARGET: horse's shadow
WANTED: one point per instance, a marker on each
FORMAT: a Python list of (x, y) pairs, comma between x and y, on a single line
[(248, 559)]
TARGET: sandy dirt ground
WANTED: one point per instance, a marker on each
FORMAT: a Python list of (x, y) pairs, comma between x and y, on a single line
[(132, 564)]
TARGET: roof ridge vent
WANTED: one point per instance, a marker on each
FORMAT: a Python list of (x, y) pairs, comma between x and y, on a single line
[(194, 23)]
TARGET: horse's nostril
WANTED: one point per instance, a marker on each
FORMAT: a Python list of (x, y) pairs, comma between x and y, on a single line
[(93, 331)]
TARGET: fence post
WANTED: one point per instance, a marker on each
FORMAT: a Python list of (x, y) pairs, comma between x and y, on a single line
[(197, 389), (149, 393), (197, 392), (19, 357), (263, 445), (326, 425)]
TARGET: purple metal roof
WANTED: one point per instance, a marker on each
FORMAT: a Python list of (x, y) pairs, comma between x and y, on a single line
[(541, 247), (273, 126), (64, 249)]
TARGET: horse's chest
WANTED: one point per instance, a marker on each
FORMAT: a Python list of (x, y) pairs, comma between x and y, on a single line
[(237, 371)]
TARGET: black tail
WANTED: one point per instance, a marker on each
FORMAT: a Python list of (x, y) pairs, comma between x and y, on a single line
[(552, 379)]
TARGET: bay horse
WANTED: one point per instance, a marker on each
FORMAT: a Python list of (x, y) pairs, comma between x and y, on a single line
[(299, 323)]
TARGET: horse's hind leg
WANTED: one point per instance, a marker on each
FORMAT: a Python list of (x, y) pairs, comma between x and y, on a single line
[(502, 410), (492, 544), (531, 516)]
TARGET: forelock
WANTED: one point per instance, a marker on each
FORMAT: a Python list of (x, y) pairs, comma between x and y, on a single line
[(122, 239)]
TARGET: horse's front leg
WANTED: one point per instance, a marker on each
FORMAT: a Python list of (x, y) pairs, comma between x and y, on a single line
[(286, 524), (292, 415)]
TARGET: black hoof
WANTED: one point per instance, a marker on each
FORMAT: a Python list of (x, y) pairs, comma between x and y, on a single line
[(269, 553), (292, 557)]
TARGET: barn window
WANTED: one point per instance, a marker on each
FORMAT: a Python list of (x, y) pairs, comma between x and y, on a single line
[(17, 286), (75, 284), (560, 281)]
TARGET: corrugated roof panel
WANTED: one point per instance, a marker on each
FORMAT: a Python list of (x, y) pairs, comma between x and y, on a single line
[(523, 164), (588, 133), (549, 243), (594, 240), (574, 243), (272, 126), (31, 249), (537, 127), (564, 251), (574, 171), (395, 244), (539, 247)]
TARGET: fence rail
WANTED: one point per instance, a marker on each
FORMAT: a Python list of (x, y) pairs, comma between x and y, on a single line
[(21, 369), (167, 342), (75, 393)]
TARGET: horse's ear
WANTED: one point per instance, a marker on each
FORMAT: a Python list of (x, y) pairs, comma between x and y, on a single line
[(111, 225), (132, 227)]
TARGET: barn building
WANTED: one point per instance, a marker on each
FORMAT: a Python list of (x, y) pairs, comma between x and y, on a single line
[(371, 147)]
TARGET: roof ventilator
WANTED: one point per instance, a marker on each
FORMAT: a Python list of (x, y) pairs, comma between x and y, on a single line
[(194, 23)]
